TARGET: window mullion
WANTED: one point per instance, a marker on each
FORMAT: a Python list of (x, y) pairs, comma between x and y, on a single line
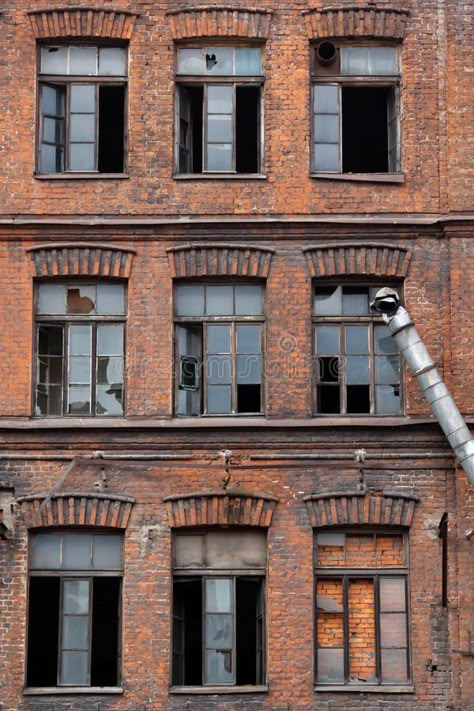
[(67, 124), (96, 125), (372, 369), (342, 369), (234, 127), (345, 604), (205, 118), (378, 654), (233, 366), (66, 342), (339, 106), (93, 369)]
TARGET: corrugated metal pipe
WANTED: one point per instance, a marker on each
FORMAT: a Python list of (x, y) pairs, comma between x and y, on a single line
[(413, 350)]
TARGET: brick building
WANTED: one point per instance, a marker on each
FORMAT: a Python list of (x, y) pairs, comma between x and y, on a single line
[(220, 489)]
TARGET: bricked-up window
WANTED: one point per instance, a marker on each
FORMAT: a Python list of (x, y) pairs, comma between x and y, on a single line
[(219, 331), (218, 110), (357, 364), (74, 610), (82, 95), (355, 109), (218, 611), (361, 608), (79, 349)]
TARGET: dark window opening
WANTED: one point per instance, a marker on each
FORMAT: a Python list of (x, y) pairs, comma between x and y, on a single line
[(365, 129), (105, 632), (358, 399), (111, 129), (190, 129), (248, 398), (247, 593), (43, 632), (328, 400), (246, 128)]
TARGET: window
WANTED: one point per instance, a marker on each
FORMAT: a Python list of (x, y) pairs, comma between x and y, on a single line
[(79, 349), (357, 364), (218, 110), (74, 610), (219, 349), (355, 109), (82, 93), (362, 608), (218, 618)]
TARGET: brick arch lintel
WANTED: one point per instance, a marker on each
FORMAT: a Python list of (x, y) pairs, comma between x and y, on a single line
[(201, 260), (220, 508), (219, 21), (99, 23), (355, 258), (387, 508), (356, 21), (77, 509), (81, 259)]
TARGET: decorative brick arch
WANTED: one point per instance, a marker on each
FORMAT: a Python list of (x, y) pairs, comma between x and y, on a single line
[(75, 509), (81, 259), (220, 508), (219, 21), (201, 260), (359, 508), (348, 258), (356, 21), (82, 22)]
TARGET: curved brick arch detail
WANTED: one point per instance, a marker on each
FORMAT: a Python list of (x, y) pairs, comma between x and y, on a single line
[(346, 258), (357, 508), (201, 260), (74, 509), (220, 21), (356, 21), (220, 508), (82, 22), (97, 260)]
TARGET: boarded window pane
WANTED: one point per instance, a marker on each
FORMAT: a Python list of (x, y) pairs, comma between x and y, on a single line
[(394, 666), (242, 549), (188, 551), (330, 664), (393, 629), (392, 595)]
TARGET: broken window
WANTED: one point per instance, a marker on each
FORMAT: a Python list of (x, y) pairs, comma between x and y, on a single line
[(219, 349), (357, 363), (355, 109), (74, 610), (361, 608), (82, 97), (218, 100), (218, 613), (79, 349)]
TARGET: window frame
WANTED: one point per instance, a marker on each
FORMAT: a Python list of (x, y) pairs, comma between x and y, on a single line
[(65, 81)]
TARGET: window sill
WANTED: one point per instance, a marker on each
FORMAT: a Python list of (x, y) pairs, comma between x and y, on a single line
[(81, 176), (367, 689), (56, 690), (219, 689), (219, 176), (362, 177)]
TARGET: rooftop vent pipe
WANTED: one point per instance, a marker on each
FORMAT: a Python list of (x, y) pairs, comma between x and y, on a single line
[(412, 348)]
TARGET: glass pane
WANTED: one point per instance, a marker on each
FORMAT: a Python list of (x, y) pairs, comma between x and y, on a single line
[(392, 595), (51, 299), (385, 344), (249, 369), (74, 668), (394, 665), (79, 400), (218, 399), (109, 400), (188, 551), (53, 130), (82, 60), (387, 399), (109, 370), (355, 301), (52, 100), (76, 597), (326, 157), (328, 301), (218, 339), (219, 129), (82, 127), (355, 60), (219, 99), (51, 159), (77, 552), (219, 60), (53, 60), (80, 340), (357, 370), (219, 632), (81, 156), (46, 551), (219, 300), (107, 552), (248, 61), (357, 340), (236, 549), (326, 128), (248, 300), (327, 340), (110, 299), (79, 370), (75, 632), (219, 156), (192, 61), (330, 665), (219, 369), (83, 98), (326, 99), (248, 339), (393, 629), (218, 667), (383, 60), (80, 300), (189, 300), (110, 340), (49, 400), (387, 370), (112, 61), (219, 595)]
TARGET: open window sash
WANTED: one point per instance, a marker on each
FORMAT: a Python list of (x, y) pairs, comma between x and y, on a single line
[(189, 360)]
